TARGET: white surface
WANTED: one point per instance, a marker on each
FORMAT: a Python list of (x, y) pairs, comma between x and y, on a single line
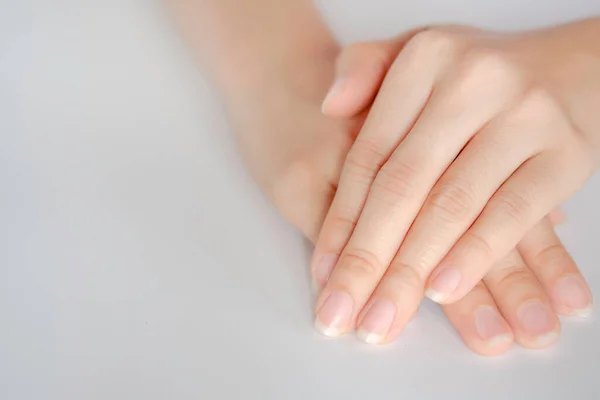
[(137, 260)]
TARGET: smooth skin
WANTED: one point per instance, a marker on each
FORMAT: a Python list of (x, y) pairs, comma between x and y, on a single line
[(296, 153), (473, 137)]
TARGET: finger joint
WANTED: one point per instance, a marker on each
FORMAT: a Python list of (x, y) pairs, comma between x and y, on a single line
[(395, 181), (452, 202), (361, 263)]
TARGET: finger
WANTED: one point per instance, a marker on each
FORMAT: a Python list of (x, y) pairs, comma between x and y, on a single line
[(521, 202), (479, 323), (362, 265), (557, 216), (523, 302), (558, 274), (451, 207), (366, 157), (360, 70), (402, 185)]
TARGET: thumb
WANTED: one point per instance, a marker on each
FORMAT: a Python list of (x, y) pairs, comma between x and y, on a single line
[(360, 70)]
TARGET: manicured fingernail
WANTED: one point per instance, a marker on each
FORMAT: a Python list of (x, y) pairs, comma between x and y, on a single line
[(322, 271), (335, 89), (377, 321), (536, 320), (572, 292), (334, 316), (442, 286), (491, 327)]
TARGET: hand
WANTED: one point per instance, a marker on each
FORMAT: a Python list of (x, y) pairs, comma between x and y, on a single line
[(296, 153), (552, 277)]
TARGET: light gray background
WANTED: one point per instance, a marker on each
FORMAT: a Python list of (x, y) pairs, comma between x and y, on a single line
[(138, 261)]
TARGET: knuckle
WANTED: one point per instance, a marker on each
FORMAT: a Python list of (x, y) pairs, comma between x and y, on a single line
[(479, 245), (431, 41), (364, 160), (341, 223), (395, 181), (453, 202), (554, 254), (489, 69), (361, 263), (513, 205), (489, 62), (511, 275), (405, 276), (431, 38), (368, 150), (540, 106)]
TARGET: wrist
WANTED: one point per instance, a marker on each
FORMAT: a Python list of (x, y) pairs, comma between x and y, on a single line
[(567, 59), (302, 63), (246, 46), (306, 68)]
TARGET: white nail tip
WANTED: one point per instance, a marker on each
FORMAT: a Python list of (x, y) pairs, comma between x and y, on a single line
[(328, 331), (584, 312), (435, 296), (546, 339), (369, 337), (500, 339)]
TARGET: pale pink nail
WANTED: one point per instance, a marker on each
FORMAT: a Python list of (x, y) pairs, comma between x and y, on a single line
[(537, 321), (572, 292), (490, 326), (444, 283), (322, 271), (333, 319), (377, 322)]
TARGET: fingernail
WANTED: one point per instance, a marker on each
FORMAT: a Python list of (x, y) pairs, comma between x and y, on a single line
[(572, 292), (335, 89), (491, 327), (537, 322), (442, 286), (334, 316), (322, 271), (377, 321)]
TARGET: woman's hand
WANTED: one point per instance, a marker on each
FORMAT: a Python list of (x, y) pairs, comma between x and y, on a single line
[(273, 86), (297, 153), (522, 156)]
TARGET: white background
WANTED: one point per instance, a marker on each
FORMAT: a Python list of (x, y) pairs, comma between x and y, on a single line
[(138, 261)]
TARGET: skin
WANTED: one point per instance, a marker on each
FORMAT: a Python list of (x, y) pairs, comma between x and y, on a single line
[(473, 137), (273, 87)]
